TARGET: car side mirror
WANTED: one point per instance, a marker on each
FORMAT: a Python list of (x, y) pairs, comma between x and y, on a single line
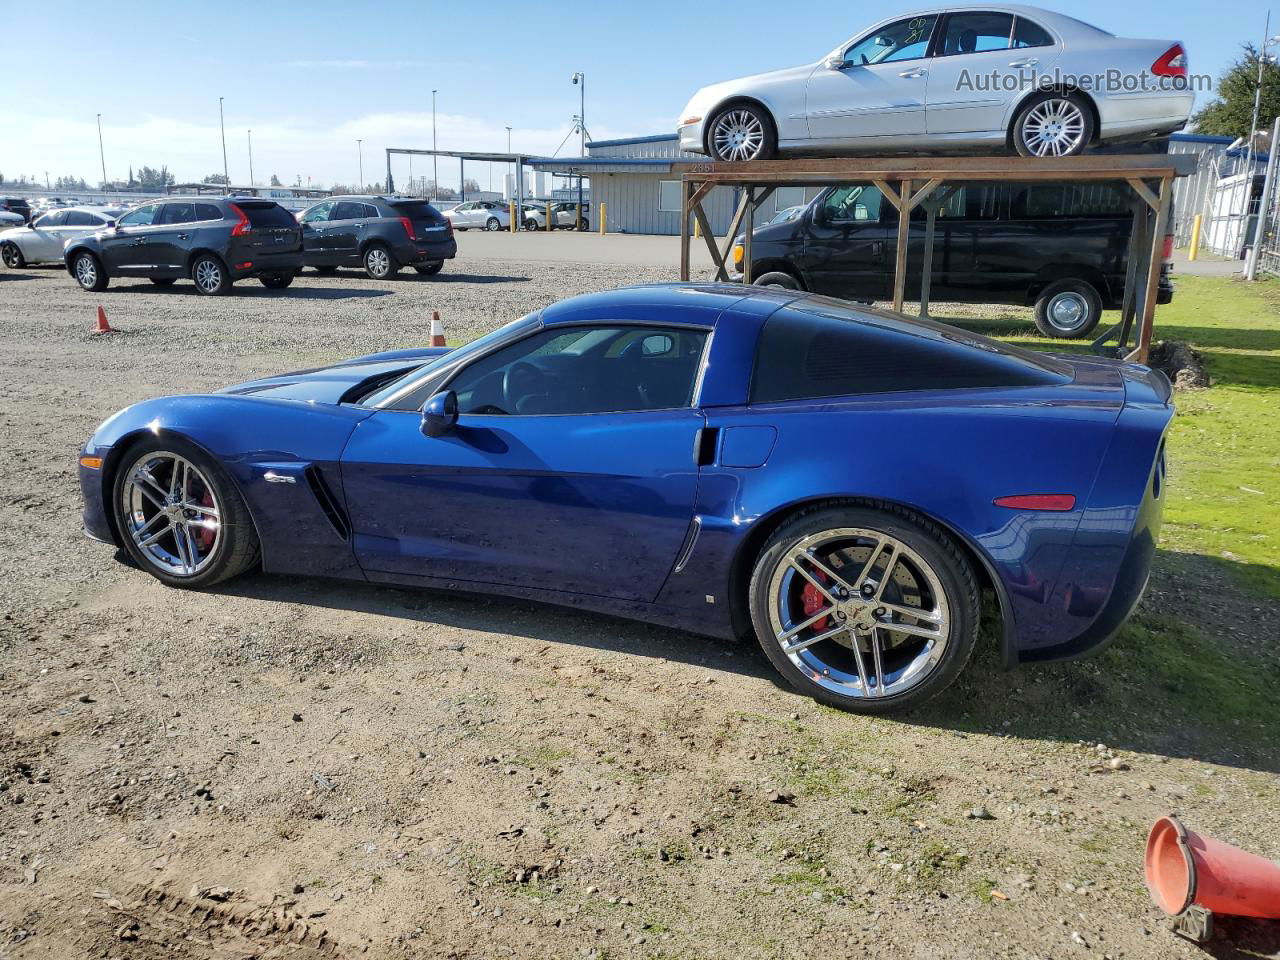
[(836, 63), (439, 413)]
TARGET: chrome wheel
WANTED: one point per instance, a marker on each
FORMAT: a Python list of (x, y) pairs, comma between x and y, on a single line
[(86, 270), (1054, 128), (208, 276), (170, 510), (377, 261), (859, 613), (492, 224), (738, 135), (1068, 311)]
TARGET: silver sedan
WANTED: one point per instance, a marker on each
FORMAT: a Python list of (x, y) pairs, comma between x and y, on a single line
[(955, 78), (43, 240)]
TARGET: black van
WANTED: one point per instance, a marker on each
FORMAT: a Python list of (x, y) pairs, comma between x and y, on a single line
[(1062, 247)]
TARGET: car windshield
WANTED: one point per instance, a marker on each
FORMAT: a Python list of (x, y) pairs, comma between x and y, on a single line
[(512, 331)]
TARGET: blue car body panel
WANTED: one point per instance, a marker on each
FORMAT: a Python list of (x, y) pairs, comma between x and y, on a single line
[(658, 515)]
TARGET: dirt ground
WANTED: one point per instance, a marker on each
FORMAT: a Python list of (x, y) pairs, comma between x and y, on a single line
[(302, 768)]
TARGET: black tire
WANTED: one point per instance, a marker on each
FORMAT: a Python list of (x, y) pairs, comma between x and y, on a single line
[(929, 543), (430, 269), (87, 269), (531, 225), (210, 276), (276, 281), (777, 278), (493, 224), (326, 271), (163, 281), (1068, 309), (236, 548), (1028, 121), (11, 253), (583, 225), (379, 262), (744, 116)]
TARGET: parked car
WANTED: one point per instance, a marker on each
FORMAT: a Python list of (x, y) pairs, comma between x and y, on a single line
[(564, 216), (18, 205), (1060, 247), (45, 239), (480, 214), (214, 241), (10, 220), (949, 79), (665, 453), (381, 234)]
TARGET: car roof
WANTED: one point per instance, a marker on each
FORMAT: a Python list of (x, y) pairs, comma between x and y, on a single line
[(697, 303)]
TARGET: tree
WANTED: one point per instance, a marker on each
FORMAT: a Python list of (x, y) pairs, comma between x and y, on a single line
[(275, 181), (216, 178), (471, 186), (154, 180), (1231, 114)]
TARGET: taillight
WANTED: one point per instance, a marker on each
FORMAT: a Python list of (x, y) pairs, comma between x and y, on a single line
[(1059, 502), (449, 224), (243, 227), (1172, 63), (1168, 246), (408, 227)]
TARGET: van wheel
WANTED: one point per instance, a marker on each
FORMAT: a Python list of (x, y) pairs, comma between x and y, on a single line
[(777, 278), (1068, 309)]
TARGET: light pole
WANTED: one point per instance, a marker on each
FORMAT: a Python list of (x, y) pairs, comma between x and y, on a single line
[(360, 151), (250, 134), (1247, 186), (101, 155), (435, 167), (513, 181), (580, 79), (226, 176)]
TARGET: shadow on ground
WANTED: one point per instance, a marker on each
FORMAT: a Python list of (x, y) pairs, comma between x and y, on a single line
[(251, 288)]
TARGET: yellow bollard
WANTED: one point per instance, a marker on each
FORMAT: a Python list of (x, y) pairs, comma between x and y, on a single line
[(511, 208), (604, 223), (577, 217), (548, 216), (1195, 238)]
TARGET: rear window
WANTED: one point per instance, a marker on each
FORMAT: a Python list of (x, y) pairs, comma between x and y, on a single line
[(418, 210), (207, 211), (818, 347), (267, 215), (1055, 201)]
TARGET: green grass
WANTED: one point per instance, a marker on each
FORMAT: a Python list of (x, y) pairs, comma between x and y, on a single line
[(1176, 672)]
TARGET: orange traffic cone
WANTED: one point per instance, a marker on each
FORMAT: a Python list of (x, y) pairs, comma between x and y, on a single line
[(1185, 868), (101, 326), (437, 330)]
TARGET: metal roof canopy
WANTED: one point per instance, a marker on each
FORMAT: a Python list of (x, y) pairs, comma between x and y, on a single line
[(219, 189), (1150, 177), (482, 156)]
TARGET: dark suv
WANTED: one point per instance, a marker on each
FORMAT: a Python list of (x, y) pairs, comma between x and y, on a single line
[(382, 234), (214, 241), (1060, 247), (17, 205)]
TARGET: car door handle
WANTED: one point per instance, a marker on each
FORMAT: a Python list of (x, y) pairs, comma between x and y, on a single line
[(359, 226), (912, 74), (184, 236), (1028, 62), (140, 241)]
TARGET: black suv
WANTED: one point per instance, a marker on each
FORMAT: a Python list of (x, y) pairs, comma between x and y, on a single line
[(17, 205), (382, 234), (1061, 247), (214, 241)]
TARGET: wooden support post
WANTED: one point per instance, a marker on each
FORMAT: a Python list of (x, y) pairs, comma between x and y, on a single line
[(686, 191), (932, 206), (1153, 271), (746, 236), (1128, 301), (900, 261)]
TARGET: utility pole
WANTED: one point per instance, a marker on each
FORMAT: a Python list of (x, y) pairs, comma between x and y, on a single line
[(1253, 125), (226, 174), (101, 155), (435, 166), (1264, 206), (581, 80), (360, 151), (250, 133)]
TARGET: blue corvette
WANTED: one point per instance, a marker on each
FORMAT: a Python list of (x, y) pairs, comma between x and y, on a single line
[(840, 481)]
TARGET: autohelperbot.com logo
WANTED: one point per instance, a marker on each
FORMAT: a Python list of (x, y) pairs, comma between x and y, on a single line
[(1110, 81)]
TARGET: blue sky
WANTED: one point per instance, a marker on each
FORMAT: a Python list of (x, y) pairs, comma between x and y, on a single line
[(309, 79)]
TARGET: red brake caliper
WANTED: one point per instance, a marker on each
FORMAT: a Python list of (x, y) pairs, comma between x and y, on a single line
[(206, 535), (814, 600)]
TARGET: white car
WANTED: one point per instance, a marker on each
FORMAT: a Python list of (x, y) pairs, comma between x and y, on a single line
[(564, 216), (962, 78), (480, 214), (43, 240)]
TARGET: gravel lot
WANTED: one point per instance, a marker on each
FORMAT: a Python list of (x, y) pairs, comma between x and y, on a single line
[(304, 768)]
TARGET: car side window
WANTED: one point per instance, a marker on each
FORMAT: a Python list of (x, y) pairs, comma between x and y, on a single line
[(852, 203), (80, 218), (370, 211), (1029, 34), (584, 370), (319, 212), (348, 210), (207, 211), (174, 213), (906, 39), (141, 217), (977, 33), (55, 219)]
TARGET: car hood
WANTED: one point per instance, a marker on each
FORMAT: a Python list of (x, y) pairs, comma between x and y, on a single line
[(757, 85), (341, 382)]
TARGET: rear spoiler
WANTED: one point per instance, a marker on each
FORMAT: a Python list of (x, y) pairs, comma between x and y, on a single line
[(1145, 385)]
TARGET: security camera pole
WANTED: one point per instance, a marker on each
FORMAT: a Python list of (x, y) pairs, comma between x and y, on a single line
[(101, 155), (226, 175), (580, 79)]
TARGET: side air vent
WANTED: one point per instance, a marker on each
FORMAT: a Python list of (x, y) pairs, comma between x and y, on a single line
[(328, 502)]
